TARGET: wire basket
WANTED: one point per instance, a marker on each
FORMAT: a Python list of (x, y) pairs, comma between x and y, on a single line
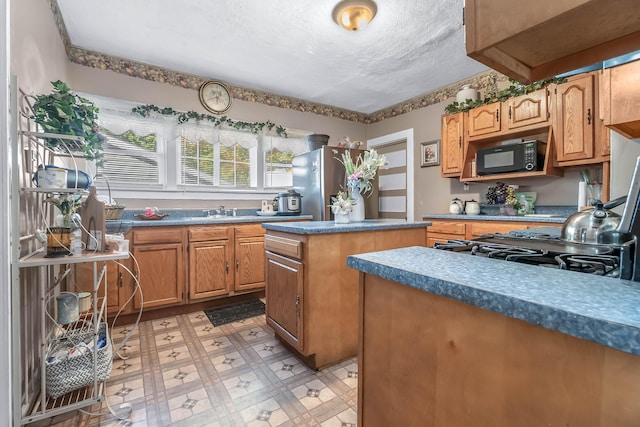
[(75, 372)]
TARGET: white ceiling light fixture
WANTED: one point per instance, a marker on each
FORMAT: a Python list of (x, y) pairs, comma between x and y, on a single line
[(353, 15)]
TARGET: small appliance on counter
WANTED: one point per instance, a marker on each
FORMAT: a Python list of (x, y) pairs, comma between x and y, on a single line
[(289, 203)]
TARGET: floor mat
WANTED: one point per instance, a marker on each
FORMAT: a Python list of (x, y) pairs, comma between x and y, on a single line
[(233, 313)]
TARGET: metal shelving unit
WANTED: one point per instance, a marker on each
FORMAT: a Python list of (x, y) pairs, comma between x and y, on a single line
[(36, 280), (89, 322)]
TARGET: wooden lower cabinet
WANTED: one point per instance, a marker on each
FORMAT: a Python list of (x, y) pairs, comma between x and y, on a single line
[(249, 258), (119, 284), (427, 360), (444, 230), (225, 260), (312, 296), (160, 255), (284, 295), (209, 269), (161, 274)]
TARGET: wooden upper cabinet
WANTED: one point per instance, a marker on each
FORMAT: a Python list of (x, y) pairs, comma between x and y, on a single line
[(620, 99), (529, 109), (484, 120), (575, 119), (452, 144), (544, 38)]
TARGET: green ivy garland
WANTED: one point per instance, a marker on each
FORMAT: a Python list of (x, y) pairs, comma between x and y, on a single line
[(218, 121), (516, 89)]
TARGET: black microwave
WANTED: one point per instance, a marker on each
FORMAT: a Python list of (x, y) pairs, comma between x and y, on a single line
[(521, 157)]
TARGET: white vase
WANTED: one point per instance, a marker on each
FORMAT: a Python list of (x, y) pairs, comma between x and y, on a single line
[(341, 217), (357, 211)]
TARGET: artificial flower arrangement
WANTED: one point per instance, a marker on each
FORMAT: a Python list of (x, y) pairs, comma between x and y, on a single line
[(342, 203), (363, 170)]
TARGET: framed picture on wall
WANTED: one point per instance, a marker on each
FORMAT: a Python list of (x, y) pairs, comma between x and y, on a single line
[(430, 153)]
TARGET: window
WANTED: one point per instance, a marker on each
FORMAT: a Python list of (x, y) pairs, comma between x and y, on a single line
[(191, 157)]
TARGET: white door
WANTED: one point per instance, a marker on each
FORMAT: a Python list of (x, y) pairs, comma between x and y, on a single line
[(395, 182)]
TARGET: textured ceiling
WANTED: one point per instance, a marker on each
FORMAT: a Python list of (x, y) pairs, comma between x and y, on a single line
[(285, 47)]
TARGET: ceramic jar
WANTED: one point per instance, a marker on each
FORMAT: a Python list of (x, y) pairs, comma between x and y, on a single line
[(471, 207), (456, 206), (466, 92)]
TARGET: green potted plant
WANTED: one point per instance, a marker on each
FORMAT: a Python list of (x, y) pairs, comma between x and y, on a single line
[(64, 112)]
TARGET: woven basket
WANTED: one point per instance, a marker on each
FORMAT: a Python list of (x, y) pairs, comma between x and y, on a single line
[(76, 372), (113, 212)]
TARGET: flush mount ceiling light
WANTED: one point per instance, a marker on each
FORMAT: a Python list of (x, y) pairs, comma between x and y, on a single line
[(354, 15)]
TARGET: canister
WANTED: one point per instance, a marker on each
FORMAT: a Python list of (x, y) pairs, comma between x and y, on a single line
[(67, 308), (84, 301)]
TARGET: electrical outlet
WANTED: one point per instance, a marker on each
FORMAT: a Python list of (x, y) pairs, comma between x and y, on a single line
[(465, 186), (95, 241)]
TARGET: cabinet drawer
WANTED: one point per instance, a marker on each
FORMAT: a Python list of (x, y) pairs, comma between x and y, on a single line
[(250, 230), (158, 235), (478, 229), (283, 246), (202, 234), (446, 227)]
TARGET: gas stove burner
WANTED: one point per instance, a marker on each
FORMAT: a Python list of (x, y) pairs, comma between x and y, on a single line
[(603, 260), (601, 265)]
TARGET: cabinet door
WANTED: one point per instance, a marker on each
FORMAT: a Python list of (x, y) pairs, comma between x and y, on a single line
[(484, 120), (117, 293), (575, 119), (284, 294), (452, 144), (529, 109), (210, 269), (161, 274), (249, 263)]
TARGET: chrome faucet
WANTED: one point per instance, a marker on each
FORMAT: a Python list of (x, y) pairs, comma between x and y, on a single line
[(221, 211)]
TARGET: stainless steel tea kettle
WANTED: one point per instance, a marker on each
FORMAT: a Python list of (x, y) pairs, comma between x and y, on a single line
[(589, 225)]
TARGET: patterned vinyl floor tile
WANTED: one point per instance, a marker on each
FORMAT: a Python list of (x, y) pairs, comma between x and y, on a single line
[(182, 371)]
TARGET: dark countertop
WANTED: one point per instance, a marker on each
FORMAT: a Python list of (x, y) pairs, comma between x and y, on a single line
[(324, 227), (465, 217), (599, 309), (195, 217)]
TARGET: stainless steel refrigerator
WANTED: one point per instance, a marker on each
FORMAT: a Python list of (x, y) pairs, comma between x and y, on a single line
[(318, 175)]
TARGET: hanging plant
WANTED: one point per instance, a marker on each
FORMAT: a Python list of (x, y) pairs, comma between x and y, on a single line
[(217, 121), (64, 112), (515, 89)]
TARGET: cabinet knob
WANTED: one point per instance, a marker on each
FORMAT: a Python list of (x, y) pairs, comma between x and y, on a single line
[(226, 267), (588, 116), (120, 279), (509, 112), (497, 115), (298, 305), (237, 265)]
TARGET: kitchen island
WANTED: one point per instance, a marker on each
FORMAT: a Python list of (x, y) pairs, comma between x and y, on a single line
[(312, 296), (448, 339)]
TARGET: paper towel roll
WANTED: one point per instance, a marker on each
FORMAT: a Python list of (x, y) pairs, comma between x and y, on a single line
[(582, 194)]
